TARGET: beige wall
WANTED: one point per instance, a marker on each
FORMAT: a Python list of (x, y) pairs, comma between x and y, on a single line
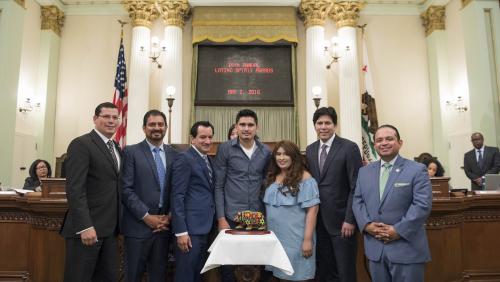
[(396, 45)]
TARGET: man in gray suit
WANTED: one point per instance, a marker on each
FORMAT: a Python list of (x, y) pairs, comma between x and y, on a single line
[(480, 161), (392, 201)]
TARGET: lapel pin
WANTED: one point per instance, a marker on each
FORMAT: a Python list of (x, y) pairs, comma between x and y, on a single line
[(398, 170)]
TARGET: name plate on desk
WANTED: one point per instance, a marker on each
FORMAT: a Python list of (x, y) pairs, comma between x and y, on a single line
[(440, 187), (53, 187)]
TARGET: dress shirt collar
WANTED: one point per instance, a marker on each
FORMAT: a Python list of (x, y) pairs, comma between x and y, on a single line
[(199, 153), (392, 162), (328, 142), (104, 138), (151, 146)]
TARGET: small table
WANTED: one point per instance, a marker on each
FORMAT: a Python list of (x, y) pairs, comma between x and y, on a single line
[(229, 249)]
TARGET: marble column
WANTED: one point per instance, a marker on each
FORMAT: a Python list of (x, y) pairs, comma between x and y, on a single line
[(346, 15), (314, 13), (434, 23), (174, 13), (48, 71), (11, 38), (480, 22), (142, 13)]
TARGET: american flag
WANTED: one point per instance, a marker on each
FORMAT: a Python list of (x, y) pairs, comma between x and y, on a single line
[(120, 96)]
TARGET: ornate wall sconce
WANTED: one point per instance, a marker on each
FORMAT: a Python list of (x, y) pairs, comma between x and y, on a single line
[(332, 48), (156, 50), (28, 106), (458, 104)]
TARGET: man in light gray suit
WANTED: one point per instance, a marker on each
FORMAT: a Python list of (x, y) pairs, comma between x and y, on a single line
[(392, 201)]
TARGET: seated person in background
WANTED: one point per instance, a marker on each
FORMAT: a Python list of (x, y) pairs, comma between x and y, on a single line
[(232, 132), (292, 200), (38, 169), (434, 167)]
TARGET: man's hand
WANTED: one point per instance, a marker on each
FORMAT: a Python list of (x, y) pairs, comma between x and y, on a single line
[(478, 181), (388, 233), (89, 237), (222, 222), (307, 248), (373, 228), (157, 222), (184, 243), (347, 230)]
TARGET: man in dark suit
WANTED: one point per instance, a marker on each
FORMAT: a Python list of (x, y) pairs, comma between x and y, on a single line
[(147, 170), (480, 161), (193, 205), (93, 190), (334, 163)]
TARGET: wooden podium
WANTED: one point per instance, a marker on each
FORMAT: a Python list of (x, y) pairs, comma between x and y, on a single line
[(440, 187)]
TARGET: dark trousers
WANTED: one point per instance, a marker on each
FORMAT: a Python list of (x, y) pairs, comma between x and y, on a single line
[(189, 265), (146, 254), (98, 262), (335, 256)]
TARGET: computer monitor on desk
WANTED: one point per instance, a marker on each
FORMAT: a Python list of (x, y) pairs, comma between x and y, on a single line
[(492, 182)]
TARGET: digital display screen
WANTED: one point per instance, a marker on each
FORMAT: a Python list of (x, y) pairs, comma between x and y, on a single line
[(244, 75)]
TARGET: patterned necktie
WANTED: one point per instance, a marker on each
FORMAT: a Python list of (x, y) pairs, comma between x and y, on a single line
[(480, 159), (383, 178), (322, 157), (161, 173), (112, 152), (210, 173)]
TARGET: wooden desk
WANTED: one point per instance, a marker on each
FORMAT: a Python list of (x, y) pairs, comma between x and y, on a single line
[(463, 236)]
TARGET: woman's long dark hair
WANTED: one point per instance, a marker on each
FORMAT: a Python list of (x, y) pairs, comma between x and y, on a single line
[(295, 172), (33, 168), (440, 168)]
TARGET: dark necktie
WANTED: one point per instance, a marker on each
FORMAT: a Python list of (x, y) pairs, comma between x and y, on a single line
[(112, 152), (480, 159), (210, 173), (160, 169), (322, 157)]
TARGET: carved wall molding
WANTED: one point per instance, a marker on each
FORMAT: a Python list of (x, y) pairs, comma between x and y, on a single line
[(17, 217), (314, 12), (433, 19), (141, 12), (174, 12), (465, 3), (48, 223), (52, 19), (346, 13), (436, 222)]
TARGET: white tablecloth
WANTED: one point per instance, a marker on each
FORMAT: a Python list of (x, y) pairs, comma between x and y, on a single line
[(247, 250)]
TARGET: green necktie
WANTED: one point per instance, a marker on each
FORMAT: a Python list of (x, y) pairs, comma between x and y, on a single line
[(383, 178)]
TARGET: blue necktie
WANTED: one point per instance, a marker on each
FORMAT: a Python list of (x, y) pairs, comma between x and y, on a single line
[(480, 159), (210, 173), (161, 173)]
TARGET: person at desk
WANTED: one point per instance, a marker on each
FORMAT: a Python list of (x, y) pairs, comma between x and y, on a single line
[(480, 161), (38, 169), (434, 167), (292, 199)]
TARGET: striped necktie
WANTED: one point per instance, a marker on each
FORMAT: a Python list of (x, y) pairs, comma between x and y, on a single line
[(210, 172), (161, 173), (384, 176)]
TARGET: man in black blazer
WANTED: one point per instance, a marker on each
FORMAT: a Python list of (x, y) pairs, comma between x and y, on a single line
[(480, 161), (334, 163), (91, 223), (147, 170)]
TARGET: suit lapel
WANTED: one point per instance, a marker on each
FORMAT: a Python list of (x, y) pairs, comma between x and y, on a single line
[(336, 144), (103, 148), (203, 165), (393, 176), (314, 166), (149, 158)]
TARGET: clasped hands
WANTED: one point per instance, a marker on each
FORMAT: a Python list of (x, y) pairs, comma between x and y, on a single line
[(157, 222), (383, 232)]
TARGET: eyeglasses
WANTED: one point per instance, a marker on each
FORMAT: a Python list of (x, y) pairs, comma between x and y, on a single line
[(41, 167), (108, 117)]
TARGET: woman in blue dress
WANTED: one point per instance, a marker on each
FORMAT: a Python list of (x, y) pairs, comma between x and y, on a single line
[(292, 200)]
